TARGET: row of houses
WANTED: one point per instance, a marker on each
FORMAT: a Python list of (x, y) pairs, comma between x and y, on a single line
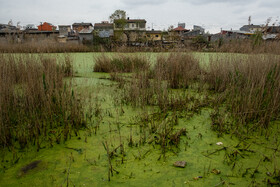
[(246, 31), (124, 31), (131, 31)]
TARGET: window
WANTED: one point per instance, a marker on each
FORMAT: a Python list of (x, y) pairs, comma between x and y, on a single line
[(156, 36), (132, 25)]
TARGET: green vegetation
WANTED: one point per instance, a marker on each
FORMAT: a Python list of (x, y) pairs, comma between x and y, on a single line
[(145, 112)]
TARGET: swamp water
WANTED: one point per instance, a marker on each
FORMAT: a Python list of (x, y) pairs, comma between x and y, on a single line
[(83, 160)]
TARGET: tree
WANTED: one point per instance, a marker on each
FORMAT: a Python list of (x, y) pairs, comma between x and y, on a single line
[(118, 15), (119, 20)]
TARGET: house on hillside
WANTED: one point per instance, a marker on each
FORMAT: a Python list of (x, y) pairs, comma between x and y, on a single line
[(46, 27), (104, 29), (77, 27)]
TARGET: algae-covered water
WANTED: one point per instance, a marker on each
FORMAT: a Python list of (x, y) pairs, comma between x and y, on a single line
[(83, 160)]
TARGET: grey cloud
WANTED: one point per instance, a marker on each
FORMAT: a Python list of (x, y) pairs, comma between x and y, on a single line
[(270, 4), (143, 2), (204, 2)]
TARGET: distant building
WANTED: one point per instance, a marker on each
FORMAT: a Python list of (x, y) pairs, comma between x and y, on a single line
[(183, 25), (197, 30), (273, 29), (64, 30), (131, 24), (251, 28), (235, 34), (77, 27), (30, 27), (154, 35), (7, 27), (86, 35), (271, 33), (104, 29), (179, 31), (46, 27)]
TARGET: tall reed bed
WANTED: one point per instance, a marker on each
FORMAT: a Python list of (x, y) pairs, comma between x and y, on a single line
[(245, 46), (153, 86), (37, 105), (178, 69), (121, 63), (43, 47), (250, 85)]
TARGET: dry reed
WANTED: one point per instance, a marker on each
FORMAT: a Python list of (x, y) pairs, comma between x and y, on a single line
[(36, 103)]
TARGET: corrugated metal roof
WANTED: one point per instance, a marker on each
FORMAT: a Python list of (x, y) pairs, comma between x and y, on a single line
[(86, 31), (82, 24), (103, 24), (154, 32), (134, 20)]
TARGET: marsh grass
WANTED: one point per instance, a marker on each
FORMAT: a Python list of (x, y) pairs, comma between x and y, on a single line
[(250, 87), (247, 46), (121, 63), (178, 69), (37, 106), (43, 47)]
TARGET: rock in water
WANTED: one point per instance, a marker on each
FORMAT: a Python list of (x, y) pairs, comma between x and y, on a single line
[(180, 164)]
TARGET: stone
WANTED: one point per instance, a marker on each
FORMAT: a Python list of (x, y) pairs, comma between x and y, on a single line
[(180, 164)]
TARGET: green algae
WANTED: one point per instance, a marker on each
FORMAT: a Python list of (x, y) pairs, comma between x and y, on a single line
[(83, 161)]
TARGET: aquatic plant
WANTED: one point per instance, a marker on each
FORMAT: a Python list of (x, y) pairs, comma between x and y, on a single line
[(121, 63), (36, 104), (250, 87)]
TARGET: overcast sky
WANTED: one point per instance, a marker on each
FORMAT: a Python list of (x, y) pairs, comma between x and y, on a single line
[(160, 14)]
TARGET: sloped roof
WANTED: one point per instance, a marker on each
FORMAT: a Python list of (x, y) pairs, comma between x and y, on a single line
[(86, 31), (82, 24), (180, 29), (154, 32), (103, 25), (134, 20), (248, 27), (64, 25), (273, 29)]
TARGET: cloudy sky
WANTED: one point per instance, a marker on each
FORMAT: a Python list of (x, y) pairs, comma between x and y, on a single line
[(160, 14)]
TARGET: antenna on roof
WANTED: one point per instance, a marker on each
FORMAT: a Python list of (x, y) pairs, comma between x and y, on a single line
[(249, 20)]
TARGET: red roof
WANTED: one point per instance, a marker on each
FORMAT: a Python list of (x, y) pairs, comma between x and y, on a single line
[(180, 29)]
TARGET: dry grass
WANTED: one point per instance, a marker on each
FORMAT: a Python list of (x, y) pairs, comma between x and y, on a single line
[(36, 104), (248, 46), (43, 47)]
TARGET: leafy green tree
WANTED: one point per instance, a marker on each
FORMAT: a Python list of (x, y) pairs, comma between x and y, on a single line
[(118, 15)]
